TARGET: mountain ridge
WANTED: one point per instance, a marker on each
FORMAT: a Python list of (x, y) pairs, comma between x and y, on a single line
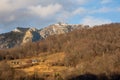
[(20, 36)]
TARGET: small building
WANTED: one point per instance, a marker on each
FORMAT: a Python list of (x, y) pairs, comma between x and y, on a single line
[(33, 61), (15, 62)]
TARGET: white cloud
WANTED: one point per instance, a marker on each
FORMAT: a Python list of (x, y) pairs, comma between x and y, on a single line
[(64, 16), (92, 21), (104, 9), (106, 1), (80, 10), (12, 5), (10, 18), (84, 11), (83, 1), (118, 9), (101, 10), (13, 10), (6, 6), (44, 11)]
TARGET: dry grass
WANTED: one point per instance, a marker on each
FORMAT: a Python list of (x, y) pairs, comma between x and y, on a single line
[(44, 66)]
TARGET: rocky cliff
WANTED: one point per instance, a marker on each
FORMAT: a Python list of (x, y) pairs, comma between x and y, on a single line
[(60, 28), (20, 36)]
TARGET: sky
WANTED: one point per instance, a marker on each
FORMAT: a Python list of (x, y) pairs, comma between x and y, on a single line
[(41, 13)]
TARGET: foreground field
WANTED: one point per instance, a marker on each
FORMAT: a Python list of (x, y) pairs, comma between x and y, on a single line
[(52, 67)]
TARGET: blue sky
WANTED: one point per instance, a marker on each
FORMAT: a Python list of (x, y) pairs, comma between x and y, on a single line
[(41, 13)]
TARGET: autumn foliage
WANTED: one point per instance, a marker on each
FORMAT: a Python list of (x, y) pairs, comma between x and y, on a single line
[(98, 48)]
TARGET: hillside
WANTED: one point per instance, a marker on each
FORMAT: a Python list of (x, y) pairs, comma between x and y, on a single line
[(20, 36), (82, 54)]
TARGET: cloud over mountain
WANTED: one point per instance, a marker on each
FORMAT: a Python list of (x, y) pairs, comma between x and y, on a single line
[(89, 20), (40, 13), (45, 11)]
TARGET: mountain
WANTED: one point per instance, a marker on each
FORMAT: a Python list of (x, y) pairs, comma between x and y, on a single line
[(60, 28), (20, 36), (84, 54)]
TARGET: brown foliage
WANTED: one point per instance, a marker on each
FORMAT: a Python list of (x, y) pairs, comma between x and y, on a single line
[(84, 43), (6, 73), (99, 47)]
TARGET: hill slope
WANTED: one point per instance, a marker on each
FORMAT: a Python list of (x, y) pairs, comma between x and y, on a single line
[(84, 54)]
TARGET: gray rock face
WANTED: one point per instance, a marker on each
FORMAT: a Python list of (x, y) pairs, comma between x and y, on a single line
[(8, 40), (20, 36), (31, 35), (60, 28)]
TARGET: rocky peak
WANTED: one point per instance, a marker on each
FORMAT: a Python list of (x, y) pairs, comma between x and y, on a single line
[(60, 28), (32, 29), (31, 35), (20, 29), (20, 36)]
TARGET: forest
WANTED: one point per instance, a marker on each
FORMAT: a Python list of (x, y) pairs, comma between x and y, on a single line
[(97, 48)]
